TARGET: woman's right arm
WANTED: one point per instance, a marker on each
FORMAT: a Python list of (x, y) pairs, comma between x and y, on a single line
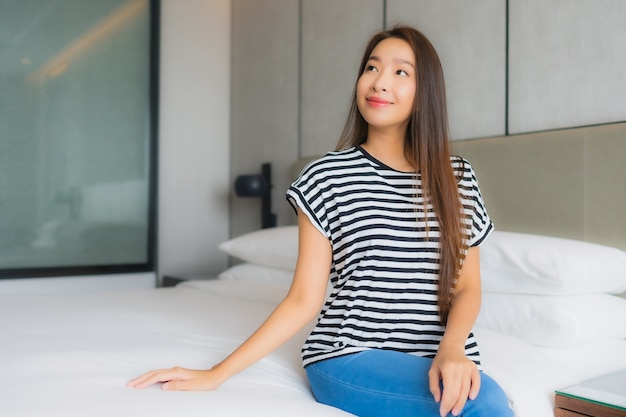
[(302, 303)]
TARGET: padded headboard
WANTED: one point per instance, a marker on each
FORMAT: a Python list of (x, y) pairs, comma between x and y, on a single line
[(567, 183)]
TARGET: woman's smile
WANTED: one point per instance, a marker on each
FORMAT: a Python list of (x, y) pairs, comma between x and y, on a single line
[(378, 102)]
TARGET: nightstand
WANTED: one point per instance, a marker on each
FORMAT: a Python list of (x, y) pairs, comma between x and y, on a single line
[(604, 396)]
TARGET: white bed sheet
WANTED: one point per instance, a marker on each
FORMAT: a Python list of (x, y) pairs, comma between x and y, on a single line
[(72, 355)]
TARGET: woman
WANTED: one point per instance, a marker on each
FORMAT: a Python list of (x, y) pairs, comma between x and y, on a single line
[(397, 222)]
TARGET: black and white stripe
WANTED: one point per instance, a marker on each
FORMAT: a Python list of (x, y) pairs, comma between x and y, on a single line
[(385, 267)]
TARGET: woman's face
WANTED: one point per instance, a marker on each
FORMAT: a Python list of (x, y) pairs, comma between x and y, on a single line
[(386, 89)]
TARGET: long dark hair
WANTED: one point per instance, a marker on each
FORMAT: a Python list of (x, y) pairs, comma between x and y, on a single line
[(426, 146)]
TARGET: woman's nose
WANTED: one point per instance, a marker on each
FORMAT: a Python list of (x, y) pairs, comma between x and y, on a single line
[(380, 83)]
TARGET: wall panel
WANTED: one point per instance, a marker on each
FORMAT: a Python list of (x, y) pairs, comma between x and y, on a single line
[(470, 38), (194, 136), (264, 102), (566, 66), (334, 34)]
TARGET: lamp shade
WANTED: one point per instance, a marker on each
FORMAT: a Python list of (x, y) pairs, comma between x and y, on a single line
[(251, 186)]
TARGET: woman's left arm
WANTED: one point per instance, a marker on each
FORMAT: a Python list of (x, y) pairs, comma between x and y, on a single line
[(451, 367)]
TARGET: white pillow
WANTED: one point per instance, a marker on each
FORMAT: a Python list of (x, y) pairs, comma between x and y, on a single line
[(275, 247), (533, 264), (510, 262), (555, 321), (259, 273)]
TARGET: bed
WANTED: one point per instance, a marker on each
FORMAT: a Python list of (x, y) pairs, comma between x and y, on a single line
[(551, 315)]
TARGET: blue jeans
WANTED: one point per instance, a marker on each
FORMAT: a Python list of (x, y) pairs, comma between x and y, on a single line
[(385, 383)]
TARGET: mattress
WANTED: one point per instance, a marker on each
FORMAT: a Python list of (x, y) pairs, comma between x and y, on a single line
[(71, 355)]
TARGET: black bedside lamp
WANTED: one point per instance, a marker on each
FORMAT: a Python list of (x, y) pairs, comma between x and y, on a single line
[(259, 186)]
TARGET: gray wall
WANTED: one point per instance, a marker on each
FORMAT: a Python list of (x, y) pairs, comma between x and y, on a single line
[(470, 38), (265, 96), (294, 68), (567, 60), (194, 136)]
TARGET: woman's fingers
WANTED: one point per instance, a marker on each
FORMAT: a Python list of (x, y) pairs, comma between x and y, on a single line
[(452, 394), (178, 379), (462, 394), (459, 383), (434, 378), (160, 375), (475, 388), (470, 386)]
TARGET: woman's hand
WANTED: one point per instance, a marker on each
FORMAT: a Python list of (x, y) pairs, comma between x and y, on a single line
[(458, 375), (451, 369), (178, 379)]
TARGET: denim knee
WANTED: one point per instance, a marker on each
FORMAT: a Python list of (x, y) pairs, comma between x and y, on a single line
[(380, 383)]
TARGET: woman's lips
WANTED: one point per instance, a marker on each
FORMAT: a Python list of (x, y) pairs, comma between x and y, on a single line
[(377, 102)]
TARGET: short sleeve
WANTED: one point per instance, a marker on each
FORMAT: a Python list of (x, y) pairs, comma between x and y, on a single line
[(306, 193), (474, 206)]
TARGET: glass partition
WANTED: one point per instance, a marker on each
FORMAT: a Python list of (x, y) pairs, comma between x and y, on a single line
[(77, 136)]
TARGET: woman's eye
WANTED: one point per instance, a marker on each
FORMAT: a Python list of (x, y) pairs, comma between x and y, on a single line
[(370, 68), (403, 73)]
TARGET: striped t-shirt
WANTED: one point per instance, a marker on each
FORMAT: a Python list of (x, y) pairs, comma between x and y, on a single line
[(385, 265)]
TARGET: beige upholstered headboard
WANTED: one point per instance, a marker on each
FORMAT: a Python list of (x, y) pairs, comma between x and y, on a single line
[(567, 183)]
